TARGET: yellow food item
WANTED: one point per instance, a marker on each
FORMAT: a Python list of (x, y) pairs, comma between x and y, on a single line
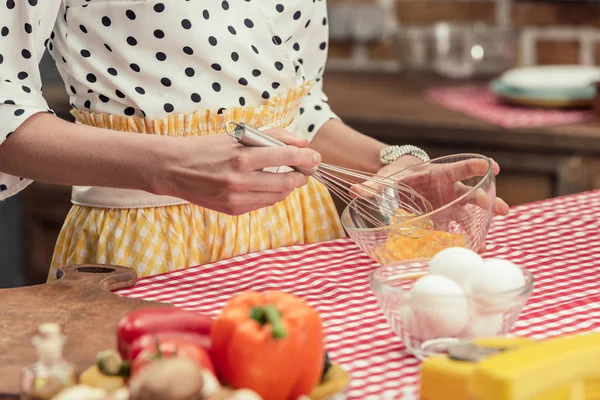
[(443, 378), (335, 382), (554, 369), (94, 378), (410, 239)]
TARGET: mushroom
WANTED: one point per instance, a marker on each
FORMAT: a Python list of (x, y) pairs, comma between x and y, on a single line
[(210, 384), (121, 394), (169, 379), (245, 394), (240, 394), (81, 392)]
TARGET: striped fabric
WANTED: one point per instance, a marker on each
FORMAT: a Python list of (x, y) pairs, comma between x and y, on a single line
[(558, 240)]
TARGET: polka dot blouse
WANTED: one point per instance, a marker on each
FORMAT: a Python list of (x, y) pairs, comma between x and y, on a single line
[(150, 57)]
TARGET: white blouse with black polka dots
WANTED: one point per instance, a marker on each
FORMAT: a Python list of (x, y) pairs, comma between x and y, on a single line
[(155, 57)]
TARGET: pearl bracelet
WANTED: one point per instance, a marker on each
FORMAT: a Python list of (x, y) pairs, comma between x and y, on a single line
[(390, 154)]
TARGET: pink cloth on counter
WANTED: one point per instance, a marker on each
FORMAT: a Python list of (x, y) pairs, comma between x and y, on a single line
[(477, 101)]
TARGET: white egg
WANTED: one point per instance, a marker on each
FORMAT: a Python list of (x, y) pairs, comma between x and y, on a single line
[(456, 263), (484, 325), (439, 307), (495, 286)]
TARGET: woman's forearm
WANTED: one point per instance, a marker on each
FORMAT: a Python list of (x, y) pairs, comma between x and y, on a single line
[(211, 171), (343, 146), (51, 150)]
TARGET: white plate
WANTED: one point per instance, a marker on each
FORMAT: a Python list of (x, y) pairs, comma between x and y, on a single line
[(551, 77)]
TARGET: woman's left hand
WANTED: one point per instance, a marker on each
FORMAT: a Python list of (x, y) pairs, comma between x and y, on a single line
[(442, 183), (445, 180)]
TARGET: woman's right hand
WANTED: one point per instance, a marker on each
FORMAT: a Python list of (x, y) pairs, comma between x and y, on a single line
[(210, 171), (216, 173)]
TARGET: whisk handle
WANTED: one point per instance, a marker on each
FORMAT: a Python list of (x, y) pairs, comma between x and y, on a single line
[(252, 137)]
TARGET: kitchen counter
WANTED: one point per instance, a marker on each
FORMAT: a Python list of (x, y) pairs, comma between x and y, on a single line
[(536, 163), (393, 106)]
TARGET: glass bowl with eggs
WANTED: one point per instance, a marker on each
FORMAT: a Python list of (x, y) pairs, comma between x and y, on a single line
[(454, 296), (423, 209)]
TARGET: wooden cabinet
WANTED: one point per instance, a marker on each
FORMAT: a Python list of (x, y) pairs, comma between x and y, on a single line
[(43, 209), (11, 274)]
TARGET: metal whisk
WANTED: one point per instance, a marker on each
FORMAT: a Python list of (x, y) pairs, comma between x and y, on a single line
[(380, 202)]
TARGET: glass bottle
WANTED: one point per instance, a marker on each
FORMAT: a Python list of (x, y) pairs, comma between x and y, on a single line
[(51, 373)]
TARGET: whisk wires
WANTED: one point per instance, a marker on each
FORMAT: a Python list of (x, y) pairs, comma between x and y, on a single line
[(372, 196), (382, 202)]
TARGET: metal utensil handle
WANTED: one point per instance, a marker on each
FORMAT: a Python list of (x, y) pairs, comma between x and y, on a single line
[(252, 137)]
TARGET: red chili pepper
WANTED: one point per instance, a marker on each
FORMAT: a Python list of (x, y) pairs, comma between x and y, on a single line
[(143, 342), (172, 348), (155, 320)]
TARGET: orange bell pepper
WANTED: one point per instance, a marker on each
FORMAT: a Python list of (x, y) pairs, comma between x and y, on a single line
[(271, 343)]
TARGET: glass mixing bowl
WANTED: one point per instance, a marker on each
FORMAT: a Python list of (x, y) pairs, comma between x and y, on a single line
[(430, 325), (449, 204)]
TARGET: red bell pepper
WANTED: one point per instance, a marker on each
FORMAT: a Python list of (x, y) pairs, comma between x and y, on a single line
[(168, 348), (156, 320), (271, 342), (144, 342)]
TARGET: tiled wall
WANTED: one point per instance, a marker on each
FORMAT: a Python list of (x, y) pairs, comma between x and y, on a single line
[(553, 32)]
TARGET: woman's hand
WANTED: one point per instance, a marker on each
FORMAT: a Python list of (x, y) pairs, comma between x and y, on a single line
[(442, 182), (217, 173), (211, 171)]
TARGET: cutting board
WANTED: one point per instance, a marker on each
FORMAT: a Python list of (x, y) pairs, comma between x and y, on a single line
[(80, 301)]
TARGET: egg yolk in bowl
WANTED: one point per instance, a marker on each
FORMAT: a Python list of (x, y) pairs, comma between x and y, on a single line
[(409, 239)]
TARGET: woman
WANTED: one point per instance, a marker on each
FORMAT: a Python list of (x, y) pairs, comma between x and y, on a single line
[(157, 185)]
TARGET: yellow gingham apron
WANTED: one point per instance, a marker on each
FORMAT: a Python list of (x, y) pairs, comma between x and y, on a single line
[(154, 240)]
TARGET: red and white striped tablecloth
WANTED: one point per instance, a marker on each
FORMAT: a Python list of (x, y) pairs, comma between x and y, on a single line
[(558, 240)]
